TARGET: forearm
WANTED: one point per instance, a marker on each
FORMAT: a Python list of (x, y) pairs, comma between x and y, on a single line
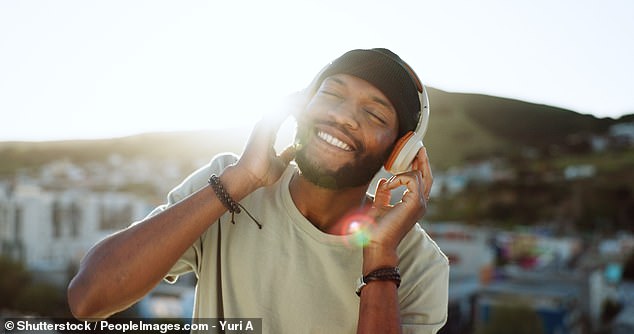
[(379, 310), (124, 267)]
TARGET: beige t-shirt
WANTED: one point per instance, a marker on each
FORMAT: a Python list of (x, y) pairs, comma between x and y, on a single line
[(293, 276)]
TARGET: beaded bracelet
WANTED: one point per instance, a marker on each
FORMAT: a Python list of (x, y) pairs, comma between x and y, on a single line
[(384, 274), (226, 200), (223, 196)]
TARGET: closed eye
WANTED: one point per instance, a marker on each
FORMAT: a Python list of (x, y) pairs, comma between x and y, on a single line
[(330, 93), (375, 116)]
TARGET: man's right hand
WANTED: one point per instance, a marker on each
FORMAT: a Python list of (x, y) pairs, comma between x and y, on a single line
[(259, 162)]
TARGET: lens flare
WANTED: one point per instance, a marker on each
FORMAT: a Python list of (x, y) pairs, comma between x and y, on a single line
[(357, 227)]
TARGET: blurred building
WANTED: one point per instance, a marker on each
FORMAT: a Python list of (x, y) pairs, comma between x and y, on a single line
[(501, 278), (623, 133), (471, 260), (50, 231), (553, 305), (624, 321)]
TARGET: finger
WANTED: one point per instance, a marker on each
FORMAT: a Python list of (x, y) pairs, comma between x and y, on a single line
[(411, 180), (275, 113), (295, 103), (266, 129), (383, 194), (421, 162), (288, 154)]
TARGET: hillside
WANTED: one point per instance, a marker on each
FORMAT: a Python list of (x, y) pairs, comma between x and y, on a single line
[(462, 126), (186, 146), (471, 125)]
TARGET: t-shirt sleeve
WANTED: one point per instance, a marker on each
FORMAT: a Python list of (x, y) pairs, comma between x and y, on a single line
[(424, 298), (190, 260)]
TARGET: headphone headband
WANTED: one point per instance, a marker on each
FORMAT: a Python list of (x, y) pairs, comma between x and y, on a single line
[(423, 120)]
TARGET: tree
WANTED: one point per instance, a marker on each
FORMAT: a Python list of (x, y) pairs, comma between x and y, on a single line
[(41, 298), (19, 293), (13, 280)]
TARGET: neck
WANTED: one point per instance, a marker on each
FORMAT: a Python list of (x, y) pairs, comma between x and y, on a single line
[(324, 207)]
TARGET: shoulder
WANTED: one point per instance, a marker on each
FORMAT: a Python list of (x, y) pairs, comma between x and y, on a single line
[(424, 290), (199, 177), (195, 181), (417, 244), (421, 259)]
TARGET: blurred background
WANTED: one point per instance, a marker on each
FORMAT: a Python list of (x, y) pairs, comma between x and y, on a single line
[(107, 106)]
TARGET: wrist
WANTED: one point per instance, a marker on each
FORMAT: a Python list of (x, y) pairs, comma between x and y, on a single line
[(375, 257), (237, 184), (391, 274), (238, 189)]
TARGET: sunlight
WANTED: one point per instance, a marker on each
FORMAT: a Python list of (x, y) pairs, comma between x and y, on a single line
[(115, 69)]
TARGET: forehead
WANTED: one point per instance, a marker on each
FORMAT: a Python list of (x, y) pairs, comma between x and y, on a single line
[(360, 86)]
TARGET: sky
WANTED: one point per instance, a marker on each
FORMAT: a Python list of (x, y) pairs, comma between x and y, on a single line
[(99, 69)]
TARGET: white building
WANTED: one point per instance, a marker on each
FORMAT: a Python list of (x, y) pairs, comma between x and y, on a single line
[(51, 231), (624, 131), (468, 248)]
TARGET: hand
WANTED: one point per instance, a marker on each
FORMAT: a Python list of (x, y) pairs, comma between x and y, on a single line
[(393, 222), (259, 162)]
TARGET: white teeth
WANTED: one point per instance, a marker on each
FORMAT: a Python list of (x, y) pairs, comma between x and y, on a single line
[(333, 141)]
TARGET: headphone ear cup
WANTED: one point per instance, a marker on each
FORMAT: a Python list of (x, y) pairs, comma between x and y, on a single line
[(400, 144), (404, 152)]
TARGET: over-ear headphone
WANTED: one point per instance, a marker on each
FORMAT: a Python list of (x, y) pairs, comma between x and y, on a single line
[(406, 148)]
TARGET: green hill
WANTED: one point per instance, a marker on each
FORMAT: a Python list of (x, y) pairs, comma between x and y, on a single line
[(471, 125), (186, 146), (463, 126)]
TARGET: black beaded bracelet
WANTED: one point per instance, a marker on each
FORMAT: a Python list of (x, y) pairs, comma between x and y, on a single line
[(383, 274), (223, 196), (226, 200)]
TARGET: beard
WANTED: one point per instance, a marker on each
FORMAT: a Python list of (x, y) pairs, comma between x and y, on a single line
[(357, 172)]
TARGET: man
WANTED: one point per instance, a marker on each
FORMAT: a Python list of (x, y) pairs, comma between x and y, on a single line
[(296, 269)]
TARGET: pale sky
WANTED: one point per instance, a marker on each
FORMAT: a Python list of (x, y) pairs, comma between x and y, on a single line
[(95, 69)]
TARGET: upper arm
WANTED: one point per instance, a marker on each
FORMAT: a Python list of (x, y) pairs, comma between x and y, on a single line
[(424, 296)]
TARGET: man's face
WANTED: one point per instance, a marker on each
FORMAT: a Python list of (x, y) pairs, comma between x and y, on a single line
[(347, 132)]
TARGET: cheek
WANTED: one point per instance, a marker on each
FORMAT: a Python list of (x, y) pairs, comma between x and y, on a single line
[(310, 112), (305, 115), (382, 141), (387, 136)]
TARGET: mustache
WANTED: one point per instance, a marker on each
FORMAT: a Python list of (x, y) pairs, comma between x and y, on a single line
[(304, 127)]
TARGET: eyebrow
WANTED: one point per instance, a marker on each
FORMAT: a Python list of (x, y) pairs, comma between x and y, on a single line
[(376, 99), (383, 103)]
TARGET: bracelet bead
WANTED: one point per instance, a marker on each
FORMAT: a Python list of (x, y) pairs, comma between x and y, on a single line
[(226, 200), (223, 196), (382, 274)]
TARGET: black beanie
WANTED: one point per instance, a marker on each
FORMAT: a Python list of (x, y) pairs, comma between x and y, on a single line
[(387, 72)]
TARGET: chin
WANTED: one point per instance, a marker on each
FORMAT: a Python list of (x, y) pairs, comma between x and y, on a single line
[(356, 173)]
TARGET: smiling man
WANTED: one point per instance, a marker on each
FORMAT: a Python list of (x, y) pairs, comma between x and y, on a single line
[(292, 259), (356, 146)]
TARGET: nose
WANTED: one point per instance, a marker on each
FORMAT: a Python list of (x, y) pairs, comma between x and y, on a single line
[(345, 113)]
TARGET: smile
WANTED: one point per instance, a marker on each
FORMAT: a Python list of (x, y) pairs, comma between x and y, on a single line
[(333, 141)]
